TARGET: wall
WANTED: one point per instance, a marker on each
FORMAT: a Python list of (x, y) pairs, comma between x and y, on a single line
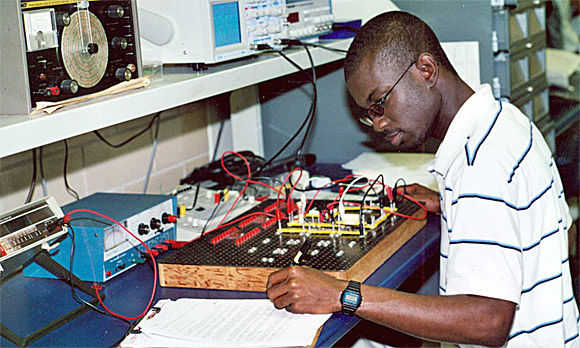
[(95, 167)]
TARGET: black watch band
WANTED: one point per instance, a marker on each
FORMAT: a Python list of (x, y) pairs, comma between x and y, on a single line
[(351, 298)]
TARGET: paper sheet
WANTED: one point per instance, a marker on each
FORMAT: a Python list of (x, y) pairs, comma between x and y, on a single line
[(224, 323), (413, 167)]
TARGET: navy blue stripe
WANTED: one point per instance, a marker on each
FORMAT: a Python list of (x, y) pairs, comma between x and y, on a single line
[(443, 217), (442, 288), (448, 189), (541, 239), (436, 172), (523, 155), (471, 159), (570, 339), (568, 300), (497, 199), (541, 282), (566, 260), (535, 328), (443, 255), (485, 242)]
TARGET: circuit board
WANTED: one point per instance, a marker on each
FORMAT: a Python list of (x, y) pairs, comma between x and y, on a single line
[(347, 243)]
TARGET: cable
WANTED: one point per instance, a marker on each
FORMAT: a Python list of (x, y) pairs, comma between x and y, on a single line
[(314, 103), (218, 140), (130, 139), (323, 47), (74, 295), (97, 287), (398, 198), (33, 180), (195, 197), (69, 189), (153, 151), (362, 203), (41, 169), (308, 115)]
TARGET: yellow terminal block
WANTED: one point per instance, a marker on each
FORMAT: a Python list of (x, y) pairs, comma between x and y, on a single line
[(182, 210)]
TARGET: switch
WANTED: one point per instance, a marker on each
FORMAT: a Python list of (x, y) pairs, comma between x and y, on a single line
[(143, 229)]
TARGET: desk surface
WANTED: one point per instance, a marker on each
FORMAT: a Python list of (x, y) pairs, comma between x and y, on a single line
[(28, 304)]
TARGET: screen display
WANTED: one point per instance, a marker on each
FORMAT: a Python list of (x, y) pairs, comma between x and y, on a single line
[(226, 24), (23, 221), (289, 2)]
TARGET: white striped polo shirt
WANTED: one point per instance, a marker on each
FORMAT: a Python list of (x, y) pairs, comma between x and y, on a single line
[(505, 221)]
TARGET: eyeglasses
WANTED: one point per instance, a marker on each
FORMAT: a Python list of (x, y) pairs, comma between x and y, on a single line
[(376, 109)]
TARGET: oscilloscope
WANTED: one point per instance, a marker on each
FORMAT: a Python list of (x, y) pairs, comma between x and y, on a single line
[(214, 31)]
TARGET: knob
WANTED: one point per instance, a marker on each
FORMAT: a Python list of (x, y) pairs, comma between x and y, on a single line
[(119, 42), (123, 74), (143, 229), (168, 218), (52, 91), (92, 48), (155, 224), (69, 86), (62, 19), (115, 11)]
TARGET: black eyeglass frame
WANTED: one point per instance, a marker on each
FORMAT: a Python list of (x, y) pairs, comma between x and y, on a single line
[(366, 118)]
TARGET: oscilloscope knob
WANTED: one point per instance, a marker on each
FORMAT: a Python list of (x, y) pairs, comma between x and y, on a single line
[(123, 74), (120, 42), (69, 86), (115, 11), (92, 48), (62, 19)]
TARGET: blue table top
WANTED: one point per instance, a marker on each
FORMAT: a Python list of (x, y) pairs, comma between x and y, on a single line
[(28, 304)]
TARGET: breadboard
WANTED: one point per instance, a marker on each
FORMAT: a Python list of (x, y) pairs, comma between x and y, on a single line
[(220, 261)]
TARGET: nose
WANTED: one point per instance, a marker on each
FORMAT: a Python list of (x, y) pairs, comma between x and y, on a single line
[(380, 123)]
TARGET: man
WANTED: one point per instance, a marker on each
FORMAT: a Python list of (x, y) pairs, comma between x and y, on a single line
[(504, 268)]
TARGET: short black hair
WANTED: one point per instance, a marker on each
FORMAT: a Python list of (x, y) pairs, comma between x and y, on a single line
[(396, 38)]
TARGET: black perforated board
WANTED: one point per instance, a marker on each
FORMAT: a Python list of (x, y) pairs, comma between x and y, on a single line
[(202, 252)]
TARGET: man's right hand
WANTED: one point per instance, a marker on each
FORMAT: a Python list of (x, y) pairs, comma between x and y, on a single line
[(428, 197)]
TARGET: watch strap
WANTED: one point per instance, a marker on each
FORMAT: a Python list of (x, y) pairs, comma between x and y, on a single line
[(351, 298)]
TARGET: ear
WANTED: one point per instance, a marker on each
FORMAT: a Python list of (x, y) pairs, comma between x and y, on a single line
[(428, 69)]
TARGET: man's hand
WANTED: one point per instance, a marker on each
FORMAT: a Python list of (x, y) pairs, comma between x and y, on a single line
[(305, 290), (424, 195)]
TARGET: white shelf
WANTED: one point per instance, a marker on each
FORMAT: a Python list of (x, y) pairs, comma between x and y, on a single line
[(21, 133)]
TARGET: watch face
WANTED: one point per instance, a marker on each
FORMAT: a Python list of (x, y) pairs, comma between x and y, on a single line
[(351, 298)]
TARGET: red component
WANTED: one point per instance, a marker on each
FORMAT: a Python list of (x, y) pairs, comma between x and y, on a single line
[(168, 218), (154, 252), (42, 77), (262, 198), (2, 251), (293, 17), (271, 207), (108, 273), (390, 193), (247, 221), (175, 244), (340, 191), (162, 247), (53, 91), (223, 235), (269, 223), (216, 197), (247, 236)]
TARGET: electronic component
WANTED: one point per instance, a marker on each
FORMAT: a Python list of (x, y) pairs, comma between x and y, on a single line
[(214, 31), (202, 216), (28, 226), (242, 255), (104, 250), (65, 48)]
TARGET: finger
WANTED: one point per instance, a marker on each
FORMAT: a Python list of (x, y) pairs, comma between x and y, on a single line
[(277, 277), (284, 301), (277, 290)]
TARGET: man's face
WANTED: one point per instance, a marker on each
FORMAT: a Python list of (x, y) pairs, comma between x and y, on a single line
[(409, 109)]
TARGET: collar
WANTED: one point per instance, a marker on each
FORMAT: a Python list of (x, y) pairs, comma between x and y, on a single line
[(468, 127)]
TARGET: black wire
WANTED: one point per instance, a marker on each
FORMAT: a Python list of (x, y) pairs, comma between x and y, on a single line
[(33, 181), (365, 197), (195, 198), (396, 197), (74, 295), (217, 142), (133, 137), (300, 149), (69, 189), (41, 164), (323, 47), (308, 116), (208, 219)]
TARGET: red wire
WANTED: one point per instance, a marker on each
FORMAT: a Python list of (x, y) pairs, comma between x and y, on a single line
[(98, 287)]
